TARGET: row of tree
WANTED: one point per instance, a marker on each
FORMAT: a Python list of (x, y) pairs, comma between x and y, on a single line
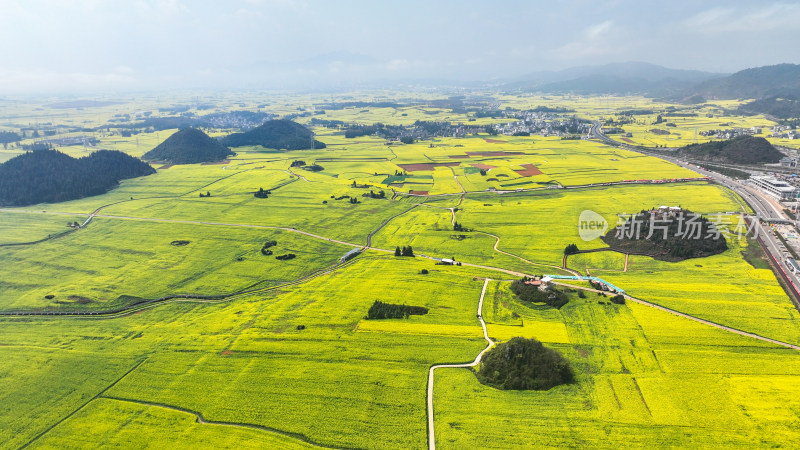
[(381, 310), (405, 251)]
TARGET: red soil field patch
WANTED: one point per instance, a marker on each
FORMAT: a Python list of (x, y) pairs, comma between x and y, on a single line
[(529, 171), (459, 156), (226, 352), (500, 153), (166, 166), (426, 166), (224, 161), (483, 166), (627, 140), (494, 141), (418, 192)]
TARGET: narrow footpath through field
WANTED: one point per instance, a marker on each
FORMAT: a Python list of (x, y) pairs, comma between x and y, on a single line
[(489, 345)]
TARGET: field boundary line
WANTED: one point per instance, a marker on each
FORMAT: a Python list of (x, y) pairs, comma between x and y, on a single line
[(690, 317), (203, 421), (136, 366)]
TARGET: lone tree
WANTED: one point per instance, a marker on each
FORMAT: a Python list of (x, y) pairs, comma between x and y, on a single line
[(524, 364), (397, 251)]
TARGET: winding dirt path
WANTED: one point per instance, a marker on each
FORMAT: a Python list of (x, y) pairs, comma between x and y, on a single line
[(687, 316), (489, 345)]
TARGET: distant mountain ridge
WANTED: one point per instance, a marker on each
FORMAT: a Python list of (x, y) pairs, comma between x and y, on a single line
[(49, 176), (613, 78), (781, 80), (189, 146)]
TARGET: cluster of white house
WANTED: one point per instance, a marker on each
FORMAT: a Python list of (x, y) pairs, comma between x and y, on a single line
[(777, 188)]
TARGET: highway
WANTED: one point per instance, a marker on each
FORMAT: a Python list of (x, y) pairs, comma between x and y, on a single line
[(765, 207)]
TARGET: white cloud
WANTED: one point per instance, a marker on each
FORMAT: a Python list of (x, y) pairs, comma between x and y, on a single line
[(598, 30), (756, 19)]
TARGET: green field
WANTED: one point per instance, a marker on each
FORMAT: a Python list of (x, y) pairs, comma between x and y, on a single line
[(247, 351)]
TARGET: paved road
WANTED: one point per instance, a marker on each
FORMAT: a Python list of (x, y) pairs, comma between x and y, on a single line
[(489, 344), (763, 205)]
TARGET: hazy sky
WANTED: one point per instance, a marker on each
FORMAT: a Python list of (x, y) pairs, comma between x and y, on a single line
[(84, 45)]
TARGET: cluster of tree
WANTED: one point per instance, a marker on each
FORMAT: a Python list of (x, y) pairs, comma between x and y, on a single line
[(7, 137), (727, 171), (522, 133), (571, 249), (265, 249), (636, 112), (483, 172), (207, 194), (739, 150), (314, 168), (362, 130), (353, 200), (297, 163), (459, 227), (285, 257), (277, 134), (37, 147), (327, 123), (261, 193), (381, 310), (493, 113), (372, 194), (51, 176), (531, 293), (405, 251), (618, 299), (189, 146), (671, 237), (524, 364), (549, 109)]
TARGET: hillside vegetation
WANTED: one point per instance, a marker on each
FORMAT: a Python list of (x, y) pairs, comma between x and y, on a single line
[(667, 237), (780, 107), (189, 146), (524, 364), (758, 82), (49, 176), (277, 134), (741, 150)]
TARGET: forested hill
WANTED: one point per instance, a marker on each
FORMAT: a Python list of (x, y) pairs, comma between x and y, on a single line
[(189, 146), (741, 150), (49, 176), (781, 80), (277, 134)]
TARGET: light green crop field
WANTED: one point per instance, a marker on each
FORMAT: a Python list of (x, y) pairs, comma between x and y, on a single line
[(253, 352)]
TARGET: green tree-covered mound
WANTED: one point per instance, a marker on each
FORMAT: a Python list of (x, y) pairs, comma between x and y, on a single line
[(189, 146), (277, 134), (667, 237), (49, 176), (524, 364), (740, 150)]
